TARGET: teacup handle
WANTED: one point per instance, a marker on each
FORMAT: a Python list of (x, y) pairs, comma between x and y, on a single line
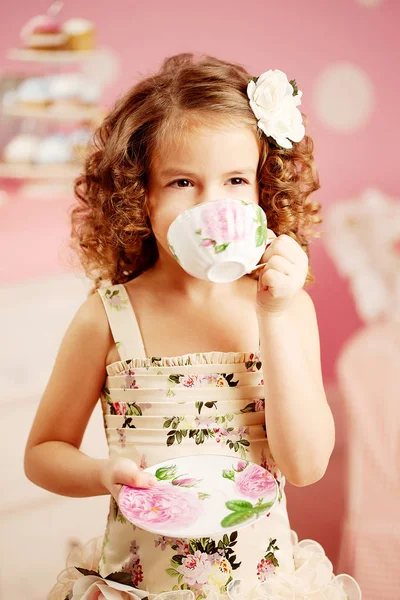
[(256, 268), (261, 264)]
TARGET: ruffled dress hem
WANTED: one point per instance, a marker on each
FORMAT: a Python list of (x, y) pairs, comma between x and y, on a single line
[(312, 579)]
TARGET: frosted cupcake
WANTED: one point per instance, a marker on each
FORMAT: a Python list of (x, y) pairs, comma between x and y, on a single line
[(22, 149), (54, 149), (65, 90), (43, 32), (80, 34), (33, 93), (73, 90)]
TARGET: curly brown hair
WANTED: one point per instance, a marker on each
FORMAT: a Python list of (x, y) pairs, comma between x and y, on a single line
[(111, 228)]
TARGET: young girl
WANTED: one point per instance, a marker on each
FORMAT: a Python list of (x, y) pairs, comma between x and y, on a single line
[(198, 130)]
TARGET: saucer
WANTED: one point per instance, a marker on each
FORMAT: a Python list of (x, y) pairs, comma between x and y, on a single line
[(200, 496)]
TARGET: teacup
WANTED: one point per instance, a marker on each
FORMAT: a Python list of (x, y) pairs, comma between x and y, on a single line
[(220, 240)]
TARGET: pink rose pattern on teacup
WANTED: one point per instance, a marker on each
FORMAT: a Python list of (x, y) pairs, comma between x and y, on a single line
[(224, 223), (169, 506), (255, 482), (206, 243), (227, 222)]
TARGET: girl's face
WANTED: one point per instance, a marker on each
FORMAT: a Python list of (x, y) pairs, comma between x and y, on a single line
[(212, 164)]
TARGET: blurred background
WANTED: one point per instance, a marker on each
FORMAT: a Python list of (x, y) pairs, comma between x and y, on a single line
[(343, 57)]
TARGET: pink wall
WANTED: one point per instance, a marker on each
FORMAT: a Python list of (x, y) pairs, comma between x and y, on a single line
[(302, 39)]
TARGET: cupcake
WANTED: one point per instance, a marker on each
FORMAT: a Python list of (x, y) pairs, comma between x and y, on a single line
[(80, 34), (54, 149), (33, 93), (65, 90), (44, 33), (22, 149)]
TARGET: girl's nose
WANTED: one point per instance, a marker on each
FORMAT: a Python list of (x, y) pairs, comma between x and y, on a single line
[(208, 196)]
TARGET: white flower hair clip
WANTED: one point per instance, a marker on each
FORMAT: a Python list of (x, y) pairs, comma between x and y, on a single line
[(274, 101)]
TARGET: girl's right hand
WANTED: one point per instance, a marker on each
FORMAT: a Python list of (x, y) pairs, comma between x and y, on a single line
[(116, 472)]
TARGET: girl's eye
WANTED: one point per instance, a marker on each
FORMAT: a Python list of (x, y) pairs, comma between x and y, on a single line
[(238, 179), (179, 181)]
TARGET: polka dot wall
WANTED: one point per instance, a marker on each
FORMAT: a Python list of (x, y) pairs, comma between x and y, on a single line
[(343, 97), (343, 57)]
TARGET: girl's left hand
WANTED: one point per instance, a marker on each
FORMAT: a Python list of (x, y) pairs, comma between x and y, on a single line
[(283, 276)]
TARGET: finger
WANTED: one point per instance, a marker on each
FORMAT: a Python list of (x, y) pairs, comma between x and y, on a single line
[(279, 263), (144, 479), (129, 473), (275, 282), (284, 246)]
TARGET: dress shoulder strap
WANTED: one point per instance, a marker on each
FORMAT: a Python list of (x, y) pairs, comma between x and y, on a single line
[(123, 322)]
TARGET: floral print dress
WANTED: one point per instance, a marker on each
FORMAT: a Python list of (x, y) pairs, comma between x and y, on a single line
[(158, 408)]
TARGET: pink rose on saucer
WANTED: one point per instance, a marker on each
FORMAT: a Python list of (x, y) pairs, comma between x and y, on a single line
[(227, 222), (161, 504), (241, 465), (255, 482), (185, 481)]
